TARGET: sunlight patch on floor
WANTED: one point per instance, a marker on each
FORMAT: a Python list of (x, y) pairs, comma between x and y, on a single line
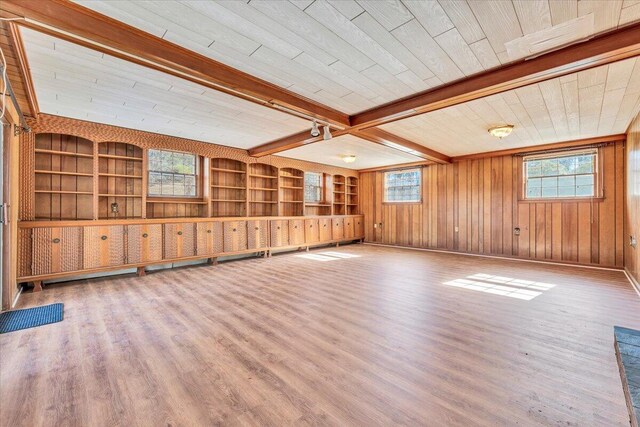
[(501, 285), (327, 256)]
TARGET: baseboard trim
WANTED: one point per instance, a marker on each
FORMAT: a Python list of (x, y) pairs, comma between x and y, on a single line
[(634, 283), (444, 251)]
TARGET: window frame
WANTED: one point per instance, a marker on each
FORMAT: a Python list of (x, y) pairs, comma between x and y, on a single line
[(404, 202), (598, 190), (198, 176), (323, 185)]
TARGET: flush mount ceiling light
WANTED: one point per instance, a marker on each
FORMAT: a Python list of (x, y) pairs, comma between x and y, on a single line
[(501, 131), (349, 158), (314, 129), (327, 134)]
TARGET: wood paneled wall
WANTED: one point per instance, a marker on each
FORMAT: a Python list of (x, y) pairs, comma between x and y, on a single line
[(632, 255), (473, 206)]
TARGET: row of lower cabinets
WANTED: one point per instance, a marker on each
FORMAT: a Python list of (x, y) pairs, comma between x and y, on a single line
[(75, 248)]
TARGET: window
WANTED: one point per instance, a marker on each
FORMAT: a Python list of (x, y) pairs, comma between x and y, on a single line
[(172, 174), (402, 186), (312, 187), (561, 175)]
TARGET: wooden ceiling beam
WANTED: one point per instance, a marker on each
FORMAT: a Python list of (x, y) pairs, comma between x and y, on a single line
[(382, 137), (604, 49), (23, 68), (77, 24), (288, 142)]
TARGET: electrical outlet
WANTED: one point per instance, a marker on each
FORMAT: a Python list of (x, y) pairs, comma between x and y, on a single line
[(457, 229), (516, 231), (633, 242), (375, 225)]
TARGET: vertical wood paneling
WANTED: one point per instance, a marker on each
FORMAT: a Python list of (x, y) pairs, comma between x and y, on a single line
[(632, 208), (481, 198)]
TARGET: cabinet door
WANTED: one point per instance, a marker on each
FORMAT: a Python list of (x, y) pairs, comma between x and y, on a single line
[(179, 240), (324, 224), (56, 250), (338, 228), (144, 243), (349, 227), (258, 234), (235, 236), (103, 246), (279, 233), (296, 232), (209, 240), (359, 229), (311, 231)]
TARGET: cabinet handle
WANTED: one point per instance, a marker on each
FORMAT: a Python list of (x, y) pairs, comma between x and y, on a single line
[(145, 235), (56, 240), (104, 237), (208, 231), (257, 228), (278, 228), (295, 226), (234, 230), (179, 233), (324, 225)]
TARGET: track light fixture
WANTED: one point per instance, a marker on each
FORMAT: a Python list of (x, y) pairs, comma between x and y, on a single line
[(314, 129), (327, 133)]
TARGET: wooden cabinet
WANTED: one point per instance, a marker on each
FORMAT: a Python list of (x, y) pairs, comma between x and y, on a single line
[(296, 232), (103, 246), (311, 231), (144, 243), (56, 250), (279, 233), (337, 226), (209, 238), (179, 240), (349, 227), (235, 236), (324, 228), (359, 227), (258, 234)]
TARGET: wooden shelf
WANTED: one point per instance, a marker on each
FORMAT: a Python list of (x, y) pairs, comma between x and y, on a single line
[(291, 201), (319, 205), (352, 185), (263, 189), (118, 175), (228, 170), (288, 187), (231, 187), (136, 196), (89, 193), (228, 200), (64, 153), (178, 202), (113, 156), (63, 173), (255, 175), (291, 176), (263, 201)]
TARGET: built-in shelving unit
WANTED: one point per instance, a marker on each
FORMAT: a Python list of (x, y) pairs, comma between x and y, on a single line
[(339, 195), (351, 192), (175, 207), (291, 192), (263, 190), (120, 176), (228, 188), (63, 177)]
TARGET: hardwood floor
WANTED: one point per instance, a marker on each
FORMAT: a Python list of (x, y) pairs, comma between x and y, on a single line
[(356, 335)]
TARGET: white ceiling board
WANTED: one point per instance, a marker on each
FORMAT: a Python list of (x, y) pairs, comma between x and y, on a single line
[(390, 48), (77, 82), (597, 102), (368, 155)]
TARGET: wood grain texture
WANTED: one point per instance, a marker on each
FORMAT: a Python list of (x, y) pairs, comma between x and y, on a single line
[(480, 197), (632, 208), (372, 337)]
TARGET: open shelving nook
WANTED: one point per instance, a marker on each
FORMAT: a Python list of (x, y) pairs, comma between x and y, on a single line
[(263, 190), (64, 176), (339, 195), (351, 191), (291, 192), (120, 180), (228, 187)]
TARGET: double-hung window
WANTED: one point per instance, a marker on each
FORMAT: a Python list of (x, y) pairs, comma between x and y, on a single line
[(172, 174), (571, 174), (313, 187)]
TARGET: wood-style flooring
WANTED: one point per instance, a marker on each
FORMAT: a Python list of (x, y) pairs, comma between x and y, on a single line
[(356, 335)]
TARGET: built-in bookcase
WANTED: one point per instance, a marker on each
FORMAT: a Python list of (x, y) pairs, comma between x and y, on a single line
[(120, 180), (351, 192), (63, 177), (228, 188), (291, 192), (339, 195), (263, 190)]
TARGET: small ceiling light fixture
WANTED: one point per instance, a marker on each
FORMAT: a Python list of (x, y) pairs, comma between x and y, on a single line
[(349, 158), (327, 134), (501, 131), (314, 129)]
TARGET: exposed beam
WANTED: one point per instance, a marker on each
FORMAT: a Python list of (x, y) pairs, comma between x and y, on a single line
[(544, 147), (387, 139), (398, 166), (77, 24), (604, 49), (23, 67), (288, 142)]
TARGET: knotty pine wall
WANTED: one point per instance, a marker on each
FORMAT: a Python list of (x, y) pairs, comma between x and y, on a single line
[(480, 197), (632, 255)]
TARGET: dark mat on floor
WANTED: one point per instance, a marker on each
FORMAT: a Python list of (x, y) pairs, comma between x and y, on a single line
[(628, 352), (30, 317)]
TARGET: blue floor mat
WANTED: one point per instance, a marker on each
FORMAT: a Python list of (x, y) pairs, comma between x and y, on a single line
[(30, 317)]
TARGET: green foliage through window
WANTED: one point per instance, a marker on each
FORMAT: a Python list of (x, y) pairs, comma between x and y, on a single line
[(563, 176), (172, 174)]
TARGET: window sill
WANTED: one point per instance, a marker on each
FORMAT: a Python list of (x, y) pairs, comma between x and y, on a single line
[(562, 200), (403, 203)]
